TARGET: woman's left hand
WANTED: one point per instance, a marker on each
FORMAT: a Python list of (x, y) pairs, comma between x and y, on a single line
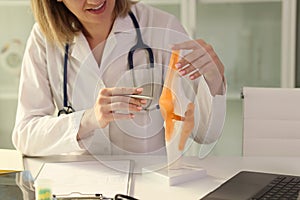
[(202, 60)]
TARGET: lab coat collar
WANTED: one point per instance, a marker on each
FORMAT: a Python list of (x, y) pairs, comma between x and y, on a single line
[(81, 48), (122, 25)]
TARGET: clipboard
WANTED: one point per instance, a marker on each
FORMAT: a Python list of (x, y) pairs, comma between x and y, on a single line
[(95, 196), (89, 179)]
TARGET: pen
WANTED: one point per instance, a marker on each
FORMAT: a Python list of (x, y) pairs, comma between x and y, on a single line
[(139, 96)]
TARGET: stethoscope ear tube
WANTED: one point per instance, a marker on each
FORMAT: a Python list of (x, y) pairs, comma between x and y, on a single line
[(140, 45), (67, 109)]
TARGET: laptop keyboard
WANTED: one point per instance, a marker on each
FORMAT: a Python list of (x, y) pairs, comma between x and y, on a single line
[(282, 187)]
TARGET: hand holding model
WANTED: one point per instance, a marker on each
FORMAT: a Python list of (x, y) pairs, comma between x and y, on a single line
[(202, 60)]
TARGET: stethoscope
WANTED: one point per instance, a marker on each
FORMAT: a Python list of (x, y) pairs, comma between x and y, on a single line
[(67, 109)]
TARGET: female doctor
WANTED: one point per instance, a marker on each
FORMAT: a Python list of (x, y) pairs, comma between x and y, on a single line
[(76, 64)]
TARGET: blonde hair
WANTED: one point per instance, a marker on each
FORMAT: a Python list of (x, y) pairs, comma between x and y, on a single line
[(59, 24)]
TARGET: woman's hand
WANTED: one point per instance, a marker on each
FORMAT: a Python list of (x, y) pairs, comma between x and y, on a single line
[(202, 60), (111, 104)]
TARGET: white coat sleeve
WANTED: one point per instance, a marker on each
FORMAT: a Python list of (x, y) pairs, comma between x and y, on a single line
[(38, 131), (210, 114), (210, 111)]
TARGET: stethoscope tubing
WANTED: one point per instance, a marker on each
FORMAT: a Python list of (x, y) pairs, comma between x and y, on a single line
[(142, 46), (66, 75), (67, 109)]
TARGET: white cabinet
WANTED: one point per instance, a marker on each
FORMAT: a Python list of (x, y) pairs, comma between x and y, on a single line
[(16, 21), (255, 40)]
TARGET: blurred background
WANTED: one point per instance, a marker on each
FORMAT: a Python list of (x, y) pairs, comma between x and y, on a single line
[(255, 39)]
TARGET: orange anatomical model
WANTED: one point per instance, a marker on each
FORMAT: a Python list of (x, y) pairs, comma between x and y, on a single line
[(167, 104)]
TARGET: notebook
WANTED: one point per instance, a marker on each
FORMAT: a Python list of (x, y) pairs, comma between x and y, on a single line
[(257, 185)]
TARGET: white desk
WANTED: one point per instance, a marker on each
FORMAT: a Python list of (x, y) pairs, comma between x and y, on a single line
[(218, 169)]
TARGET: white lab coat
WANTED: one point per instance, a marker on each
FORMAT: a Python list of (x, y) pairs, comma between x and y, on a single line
[(39, 131)]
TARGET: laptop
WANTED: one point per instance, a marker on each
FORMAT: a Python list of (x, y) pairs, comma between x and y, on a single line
[(251, 185)]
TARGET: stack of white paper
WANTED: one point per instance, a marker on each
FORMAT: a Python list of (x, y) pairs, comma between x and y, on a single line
[(89, 177), (10, 160)]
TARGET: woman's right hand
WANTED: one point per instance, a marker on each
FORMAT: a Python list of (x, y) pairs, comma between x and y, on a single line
[(113, 104)]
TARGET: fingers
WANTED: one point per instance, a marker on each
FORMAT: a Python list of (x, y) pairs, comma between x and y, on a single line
[(190, 58), (187, 45), (122, 107), (113, 99), (199, 61), (124, 99), (112, 104), (118, 94), (194, 64), (120, 91)]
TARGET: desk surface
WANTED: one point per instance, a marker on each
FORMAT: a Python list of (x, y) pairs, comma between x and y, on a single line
[(219, 169)]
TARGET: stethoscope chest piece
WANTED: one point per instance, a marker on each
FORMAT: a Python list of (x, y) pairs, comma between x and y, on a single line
[(66, 110)]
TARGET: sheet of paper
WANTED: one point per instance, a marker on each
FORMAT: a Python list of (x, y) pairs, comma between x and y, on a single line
[(10, 160), (89, 177)]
